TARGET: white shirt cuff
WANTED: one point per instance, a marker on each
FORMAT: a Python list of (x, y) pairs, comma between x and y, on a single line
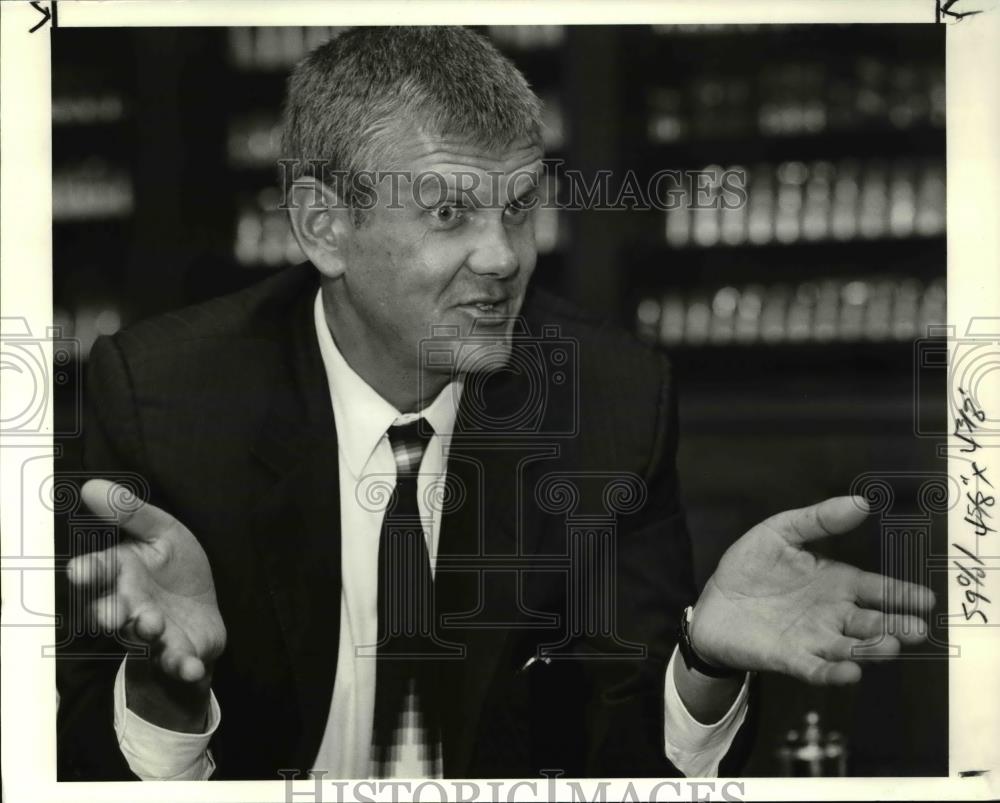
[(157, 754), (694, 748)]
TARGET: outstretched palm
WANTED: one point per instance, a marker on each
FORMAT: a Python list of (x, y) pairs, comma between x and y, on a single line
[(772, 605), (155, 586)]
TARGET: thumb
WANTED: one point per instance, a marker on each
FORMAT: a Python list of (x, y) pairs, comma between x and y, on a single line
[(111, 500), (829, 517)]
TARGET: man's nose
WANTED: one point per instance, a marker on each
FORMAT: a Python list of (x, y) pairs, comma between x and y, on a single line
[(493, 255)]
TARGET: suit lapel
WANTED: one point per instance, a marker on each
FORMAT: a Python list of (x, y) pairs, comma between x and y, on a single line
[(296, 524), (468, 532), (487, 463)]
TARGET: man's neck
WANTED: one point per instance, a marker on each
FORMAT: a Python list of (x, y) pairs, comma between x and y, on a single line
[(405, 390)]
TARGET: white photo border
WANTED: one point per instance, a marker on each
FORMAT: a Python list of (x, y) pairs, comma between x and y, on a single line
[(973, 197)]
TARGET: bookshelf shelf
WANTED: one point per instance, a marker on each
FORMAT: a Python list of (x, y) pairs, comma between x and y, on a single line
[(870, 142)]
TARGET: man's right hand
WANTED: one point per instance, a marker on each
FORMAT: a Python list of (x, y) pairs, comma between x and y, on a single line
[(155, 587)]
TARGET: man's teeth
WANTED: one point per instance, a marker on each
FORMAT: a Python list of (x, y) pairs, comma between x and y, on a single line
[(484, 307)]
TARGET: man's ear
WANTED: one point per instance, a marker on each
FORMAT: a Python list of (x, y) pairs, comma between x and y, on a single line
[(322, 224)]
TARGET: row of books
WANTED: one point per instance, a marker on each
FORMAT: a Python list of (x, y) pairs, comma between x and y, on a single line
[(528, 37), (279, 48), (254, 139), (886, 308), (264, 236), (85, 323), (800, 98), (87, 109), (93, 189), (703, 29), (554, 126), (798, 201), (275, 48)]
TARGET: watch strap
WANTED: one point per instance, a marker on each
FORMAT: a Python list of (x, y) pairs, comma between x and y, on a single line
[(692, 659)]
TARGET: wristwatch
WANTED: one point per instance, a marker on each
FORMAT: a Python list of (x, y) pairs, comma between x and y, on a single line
[(692, 659)]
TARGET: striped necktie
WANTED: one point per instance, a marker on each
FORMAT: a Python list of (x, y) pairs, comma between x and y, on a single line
[(406, 733)]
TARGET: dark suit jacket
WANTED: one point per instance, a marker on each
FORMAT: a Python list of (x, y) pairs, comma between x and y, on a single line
[(224, 410)]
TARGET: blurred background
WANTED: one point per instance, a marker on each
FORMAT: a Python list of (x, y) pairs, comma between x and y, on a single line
[(791, 321)]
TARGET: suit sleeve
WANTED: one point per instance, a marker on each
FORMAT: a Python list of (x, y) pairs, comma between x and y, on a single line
[(87, 747), (655, 582)]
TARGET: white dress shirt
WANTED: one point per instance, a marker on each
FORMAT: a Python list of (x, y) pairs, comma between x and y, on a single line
[(362, 417)]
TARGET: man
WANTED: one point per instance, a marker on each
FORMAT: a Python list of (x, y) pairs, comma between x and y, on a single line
[(391, 530)]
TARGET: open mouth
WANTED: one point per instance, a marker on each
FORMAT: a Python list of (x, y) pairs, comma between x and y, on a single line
[(489, 307)]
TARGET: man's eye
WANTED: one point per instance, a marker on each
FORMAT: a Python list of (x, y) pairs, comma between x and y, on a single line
[(446, 215), (517, 211)]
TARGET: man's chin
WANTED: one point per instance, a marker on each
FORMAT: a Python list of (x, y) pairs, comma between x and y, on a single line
[(482, 347), (483, 355)]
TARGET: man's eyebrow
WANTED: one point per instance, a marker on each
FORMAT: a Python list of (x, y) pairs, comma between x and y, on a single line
[(533, 186), (437, 193)]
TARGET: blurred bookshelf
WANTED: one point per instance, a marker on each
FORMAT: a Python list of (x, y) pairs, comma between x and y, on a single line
[(93, 192), (90, 108), (257, 50), (797, 201), (834, 260), (872, 309)]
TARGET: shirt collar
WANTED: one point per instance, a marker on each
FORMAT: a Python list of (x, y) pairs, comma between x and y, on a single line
[(362, 415)]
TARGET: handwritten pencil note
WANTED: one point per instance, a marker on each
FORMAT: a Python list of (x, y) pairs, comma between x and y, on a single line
[(978, 502)]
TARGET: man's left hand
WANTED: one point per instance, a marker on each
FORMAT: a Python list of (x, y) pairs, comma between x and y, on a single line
[(771, 605)]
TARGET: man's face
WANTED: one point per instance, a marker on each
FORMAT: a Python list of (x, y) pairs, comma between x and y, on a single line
[(448, 244)]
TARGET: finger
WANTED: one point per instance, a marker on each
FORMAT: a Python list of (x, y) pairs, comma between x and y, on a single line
[(110, 612), (880, 648), (170, 660), (96, 570), (113, 501), (149, 624), (181, 665), (844, 648), (875, 590), (829, 517), (177, 656), (192, 669), (821, 672), (145, 630), (865, 623)]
